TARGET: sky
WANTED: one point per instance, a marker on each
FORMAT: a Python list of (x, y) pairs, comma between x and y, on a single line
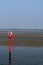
[(21, 14)]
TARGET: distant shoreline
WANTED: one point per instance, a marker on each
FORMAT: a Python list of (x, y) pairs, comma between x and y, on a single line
[(23, 31)]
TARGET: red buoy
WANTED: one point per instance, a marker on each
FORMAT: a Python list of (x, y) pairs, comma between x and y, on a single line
[(10, 36)]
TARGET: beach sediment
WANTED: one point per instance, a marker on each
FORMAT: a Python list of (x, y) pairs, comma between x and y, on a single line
[(23, 40)]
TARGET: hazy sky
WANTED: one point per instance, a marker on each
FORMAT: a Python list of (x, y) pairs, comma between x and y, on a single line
[(22, 14)]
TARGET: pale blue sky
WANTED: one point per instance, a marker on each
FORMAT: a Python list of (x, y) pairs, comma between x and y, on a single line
[(21, 14)]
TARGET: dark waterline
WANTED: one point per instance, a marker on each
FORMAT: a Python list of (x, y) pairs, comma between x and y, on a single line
[(22, 55)]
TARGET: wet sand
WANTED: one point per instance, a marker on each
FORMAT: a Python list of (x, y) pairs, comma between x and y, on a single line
[(31, 40)]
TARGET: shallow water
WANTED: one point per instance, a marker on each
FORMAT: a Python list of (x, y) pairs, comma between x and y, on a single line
[(22, 55)]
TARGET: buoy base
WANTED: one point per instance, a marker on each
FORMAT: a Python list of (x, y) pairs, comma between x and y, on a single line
[(9, 57)]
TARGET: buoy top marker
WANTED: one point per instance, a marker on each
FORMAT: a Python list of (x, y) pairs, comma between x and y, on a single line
[(10, 35)]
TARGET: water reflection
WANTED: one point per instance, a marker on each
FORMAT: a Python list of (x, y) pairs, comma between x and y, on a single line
[(9, 63), (22, 56)]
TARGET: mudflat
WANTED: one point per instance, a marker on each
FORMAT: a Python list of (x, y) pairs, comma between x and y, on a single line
[(31, 40)]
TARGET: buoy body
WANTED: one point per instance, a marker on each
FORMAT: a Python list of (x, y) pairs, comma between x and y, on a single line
[(10, 36)]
